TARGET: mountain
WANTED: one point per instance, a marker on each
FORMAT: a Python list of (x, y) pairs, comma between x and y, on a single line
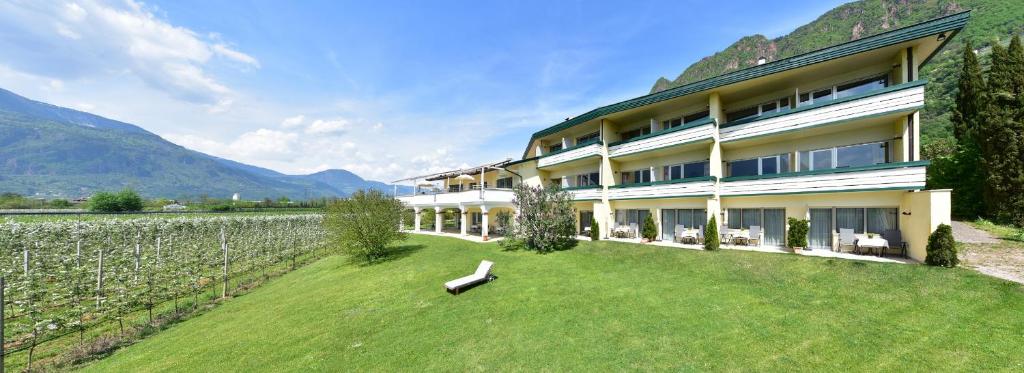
[(55, 151), (990, 20)]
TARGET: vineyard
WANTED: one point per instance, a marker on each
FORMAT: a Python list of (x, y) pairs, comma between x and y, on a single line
[(66, 277)]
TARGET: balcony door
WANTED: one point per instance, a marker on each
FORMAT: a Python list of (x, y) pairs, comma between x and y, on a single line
[(774, 227), (585, 219), (820, 234)]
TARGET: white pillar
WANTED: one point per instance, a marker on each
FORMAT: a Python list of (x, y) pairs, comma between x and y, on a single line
[(417, 218), (438, 219), (483, 221), (464, 219)]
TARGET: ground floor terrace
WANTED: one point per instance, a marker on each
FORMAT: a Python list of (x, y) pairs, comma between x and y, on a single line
[(891, 223), (482, 222)]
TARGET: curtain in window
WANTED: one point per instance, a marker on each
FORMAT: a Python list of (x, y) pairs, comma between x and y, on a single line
[(881, 219), (735, 217), (668, 224), (751, 217), (850, 218), (685, 218), (774, 227), (820, 234), (700, 218)]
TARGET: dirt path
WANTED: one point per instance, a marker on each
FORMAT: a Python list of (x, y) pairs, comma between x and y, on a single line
[(989, 255), (963, 232)]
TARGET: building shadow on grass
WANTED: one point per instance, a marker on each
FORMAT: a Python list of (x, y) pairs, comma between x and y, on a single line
[(400, 252)]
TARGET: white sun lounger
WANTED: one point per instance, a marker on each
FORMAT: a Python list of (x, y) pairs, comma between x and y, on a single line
[(482, 274)]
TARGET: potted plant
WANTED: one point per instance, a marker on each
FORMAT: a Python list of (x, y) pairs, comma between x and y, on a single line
[(796, 238)]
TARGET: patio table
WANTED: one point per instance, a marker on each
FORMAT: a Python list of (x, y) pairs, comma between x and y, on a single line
[(873, 243)]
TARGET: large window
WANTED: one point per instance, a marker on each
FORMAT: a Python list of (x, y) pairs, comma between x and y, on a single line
[(588, 179), (676, 122), (744, 113), (625, 218), (637, 176), (636, 133), (554, 148), (686, 170), (688, 218), (769, 165), (588, 138), (842, 90), (866, 220), (845, 156), (744, 218), (696, 116), (505, 182), (773, 106), (671, 123)]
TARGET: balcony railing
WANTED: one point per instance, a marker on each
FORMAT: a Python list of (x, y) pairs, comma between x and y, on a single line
[(689, 133), (887, 176), (580, 151), (585, 192), (475, 196), (688, 187), (891, 100)]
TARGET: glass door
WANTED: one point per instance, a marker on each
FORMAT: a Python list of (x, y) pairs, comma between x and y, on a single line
[(775, 227), (820, 235), (668, 224), (585, 218)]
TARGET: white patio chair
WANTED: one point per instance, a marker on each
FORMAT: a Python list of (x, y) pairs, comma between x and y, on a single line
[(755, 235), (633, 233), (680, 235), (847, 238), (482, 274)]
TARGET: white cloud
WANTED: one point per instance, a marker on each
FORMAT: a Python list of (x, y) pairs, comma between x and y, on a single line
[(95, 40), (327, 127), (295, 121)]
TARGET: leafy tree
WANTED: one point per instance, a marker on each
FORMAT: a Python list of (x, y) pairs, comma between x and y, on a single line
[(942, 248), (1002, 136), (546, 221), (595, 230), (797, 234), (364, 224), (963, 168), (123, 201), (650, 230), (129, 200), (711, 235)]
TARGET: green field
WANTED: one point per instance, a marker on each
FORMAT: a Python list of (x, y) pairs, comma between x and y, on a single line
[(32, 218), (601, 306)]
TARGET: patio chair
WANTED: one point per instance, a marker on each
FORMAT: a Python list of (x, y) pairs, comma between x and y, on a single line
[(680, 235), (755, 235), (632, 230), (895, 238), (700, 234), (482, 274), (847, 238)]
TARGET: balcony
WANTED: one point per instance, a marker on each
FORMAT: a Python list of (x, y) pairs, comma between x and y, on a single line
[(680, 188), (455, 199), (569, 156), (585, 193), (701, 131), (894, 100), (888, 176)]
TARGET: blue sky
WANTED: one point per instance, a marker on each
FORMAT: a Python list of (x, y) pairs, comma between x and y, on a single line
[(384, 89)]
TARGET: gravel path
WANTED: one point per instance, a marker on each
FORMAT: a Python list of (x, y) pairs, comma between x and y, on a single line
[(963, 232)]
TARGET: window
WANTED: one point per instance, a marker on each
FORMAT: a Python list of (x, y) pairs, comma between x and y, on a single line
[(623, 218), (636, 177), (636, 133), (505, 182), (686, 170), (744, 218), (671, 123), (866, 220), (749, 112), (772, 164), (845, 156), (696, 116), (774, 106), (861, 86), (588, 179), (588, 138), (554, 148)]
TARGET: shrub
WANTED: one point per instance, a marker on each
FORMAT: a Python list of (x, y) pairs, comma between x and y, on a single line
[(650, 230), (129, 200), (124, 201), (797, 235), (363, 225), (223, 207), (942, 248), (60, 204), (711, 235), (546, 221), (595, 230)]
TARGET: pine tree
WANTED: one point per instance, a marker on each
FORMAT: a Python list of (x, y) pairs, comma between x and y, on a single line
[(964, 169), (1002, 145)]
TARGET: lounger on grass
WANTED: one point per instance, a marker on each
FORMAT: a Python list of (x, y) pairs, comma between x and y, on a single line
[(482, 274)]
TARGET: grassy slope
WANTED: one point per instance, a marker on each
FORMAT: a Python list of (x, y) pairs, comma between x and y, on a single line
[(601, 306)]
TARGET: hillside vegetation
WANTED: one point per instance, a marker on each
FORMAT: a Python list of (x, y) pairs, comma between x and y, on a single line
[(990, 20)]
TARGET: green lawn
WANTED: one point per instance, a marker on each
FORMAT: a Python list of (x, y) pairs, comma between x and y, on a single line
[(601, 306)]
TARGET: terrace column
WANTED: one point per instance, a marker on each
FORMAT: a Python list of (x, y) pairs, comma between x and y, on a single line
[(483, 221), (438, 219), (464, 220), (416, 217)]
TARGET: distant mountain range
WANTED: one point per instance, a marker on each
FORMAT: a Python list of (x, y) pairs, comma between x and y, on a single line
[(990, 20), (53, 151)]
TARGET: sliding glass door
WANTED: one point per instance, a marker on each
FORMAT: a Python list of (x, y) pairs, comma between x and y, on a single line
[(820, 235), (775, 227), (585, 218), (668, 224)]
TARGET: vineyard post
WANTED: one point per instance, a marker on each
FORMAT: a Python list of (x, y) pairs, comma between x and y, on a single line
[(99, 279), (138, 249), (224, 247), (3, 289)]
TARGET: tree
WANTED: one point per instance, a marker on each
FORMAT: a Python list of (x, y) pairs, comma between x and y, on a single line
[(129, 200), (1002, 136), (711, 235), (650, 230), (964, 168), (546, 221), (364, 224), (123, 201), (797, 234), (595, 230), (942, 248)]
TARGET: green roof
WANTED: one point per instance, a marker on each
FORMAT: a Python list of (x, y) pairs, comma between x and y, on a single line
[(950, 23)]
